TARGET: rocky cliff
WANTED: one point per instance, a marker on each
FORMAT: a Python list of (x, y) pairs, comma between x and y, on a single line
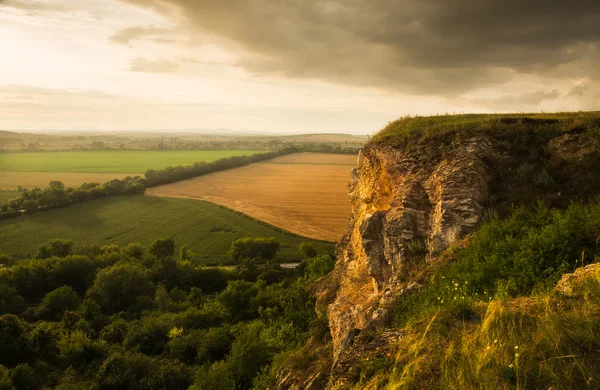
[(412, 200)]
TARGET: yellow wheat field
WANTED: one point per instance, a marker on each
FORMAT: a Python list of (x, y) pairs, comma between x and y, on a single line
[(304, 193)]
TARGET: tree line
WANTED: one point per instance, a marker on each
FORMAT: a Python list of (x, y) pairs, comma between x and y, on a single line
[(144, 317), (56, 195), (156, 177)]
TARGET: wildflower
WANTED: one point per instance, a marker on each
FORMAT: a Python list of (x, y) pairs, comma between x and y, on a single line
[(516, 347), (495, 341), (510, 366), (516, 355)]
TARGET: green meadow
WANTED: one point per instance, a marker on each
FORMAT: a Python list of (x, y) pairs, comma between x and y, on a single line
[(207, 229), (108, 161)]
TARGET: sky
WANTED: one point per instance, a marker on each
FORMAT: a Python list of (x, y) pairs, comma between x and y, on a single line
[(290, 66)]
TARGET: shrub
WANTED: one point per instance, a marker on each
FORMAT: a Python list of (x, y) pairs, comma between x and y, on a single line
[(57, 301), (58, 247)]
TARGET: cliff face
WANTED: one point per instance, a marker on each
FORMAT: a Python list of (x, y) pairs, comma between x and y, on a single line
[(403, 202), (411, 203)]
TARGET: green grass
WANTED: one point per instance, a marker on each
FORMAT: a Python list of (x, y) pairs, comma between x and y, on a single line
[(407, 129), (5, 195), (107, 161), (205, 228)]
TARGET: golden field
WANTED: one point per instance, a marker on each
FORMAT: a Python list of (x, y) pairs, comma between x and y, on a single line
[(305, 193)]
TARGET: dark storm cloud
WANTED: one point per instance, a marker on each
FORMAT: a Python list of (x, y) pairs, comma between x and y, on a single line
[(526, 99), (414, 46)]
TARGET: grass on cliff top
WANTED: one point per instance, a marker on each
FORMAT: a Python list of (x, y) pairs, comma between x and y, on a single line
[(419, 128), (545, 341)]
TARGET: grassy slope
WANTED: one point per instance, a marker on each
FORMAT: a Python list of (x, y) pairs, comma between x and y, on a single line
[(107, 161), (205, 228), (408, 129)]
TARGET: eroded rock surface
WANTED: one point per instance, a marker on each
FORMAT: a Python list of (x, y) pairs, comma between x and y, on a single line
[(402, 202)]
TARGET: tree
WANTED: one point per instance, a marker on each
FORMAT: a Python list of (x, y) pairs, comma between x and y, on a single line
[(118, 287), (57, 301), (259, 248), (236, 298), (133, 250), (307, 250), (13, 346), (320, 266), (57, 247), (163, 247)]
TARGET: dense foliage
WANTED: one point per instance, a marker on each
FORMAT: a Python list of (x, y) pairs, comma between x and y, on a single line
[(144, 318)]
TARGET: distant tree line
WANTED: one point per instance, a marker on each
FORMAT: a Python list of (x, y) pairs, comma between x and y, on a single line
[(56, 195), (335, 148), (156, 177)]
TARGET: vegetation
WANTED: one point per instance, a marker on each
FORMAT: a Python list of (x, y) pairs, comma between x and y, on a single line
[(409, 129), (206, 229), (178, 173), (57, 196), (128, 162), (5, 195), (520, 255), (487, 316), (110, 320)]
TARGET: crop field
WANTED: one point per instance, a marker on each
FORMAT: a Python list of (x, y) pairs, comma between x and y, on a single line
[(305, 193), (107, 161), (5, 195), (205, 228), (14, 180)]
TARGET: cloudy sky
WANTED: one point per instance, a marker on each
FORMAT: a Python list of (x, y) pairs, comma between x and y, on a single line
[(290, 65)]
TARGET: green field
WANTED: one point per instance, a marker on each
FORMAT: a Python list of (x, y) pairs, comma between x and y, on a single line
[(107, 161), (5, 195), (206, 229)]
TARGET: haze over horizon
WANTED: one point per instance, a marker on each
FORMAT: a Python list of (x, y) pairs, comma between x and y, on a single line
[(321, 66)]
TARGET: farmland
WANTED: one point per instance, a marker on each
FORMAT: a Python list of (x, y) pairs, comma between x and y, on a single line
[(124, 162), (305, 193), (205, 228), (7, 194), (13, 180)]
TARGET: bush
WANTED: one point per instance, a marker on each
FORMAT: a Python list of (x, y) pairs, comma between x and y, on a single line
[(307, 250), (57, 301), (13, 344), (118, 287), (162, 247), (255, 248), (58, 248), (319, 266)]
